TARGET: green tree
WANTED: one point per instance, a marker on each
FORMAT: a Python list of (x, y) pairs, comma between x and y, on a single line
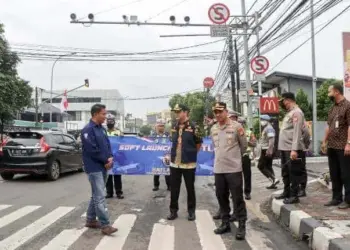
[(15, 93), (146, 130), (323, 102), (196, 102), (304, 104)]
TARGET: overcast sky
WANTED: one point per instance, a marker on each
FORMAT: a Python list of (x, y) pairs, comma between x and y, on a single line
[(47, 22)]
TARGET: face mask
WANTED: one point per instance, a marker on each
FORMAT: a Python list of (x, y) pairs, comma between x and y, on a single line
[(110, 126), (332, 98), (263, 123)]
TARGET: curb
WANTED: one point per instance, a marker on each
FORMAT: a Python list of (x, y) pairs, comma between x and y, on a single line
[(319, 159), (306, 228)]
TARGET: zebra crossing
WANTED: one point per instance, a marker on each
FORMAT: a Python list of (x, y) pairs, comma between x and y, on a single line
[(163, 234)]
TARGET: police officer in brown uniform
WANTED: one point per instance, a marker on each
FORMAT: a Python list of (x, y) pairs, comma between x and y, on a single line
[(292, 148), (230, 143), (186, 143), (338, 137)]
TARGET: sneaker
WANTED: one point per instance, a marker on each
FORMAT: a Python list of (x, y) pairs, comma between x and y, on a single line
[(93, 224), (108, 230)]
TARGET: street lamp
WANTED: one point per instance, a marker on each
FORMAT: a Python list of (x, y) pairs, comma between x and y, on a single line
[(53, 66)]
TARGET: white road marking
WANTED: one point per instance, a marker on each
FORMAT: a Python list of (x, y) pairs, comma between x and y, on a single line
[(3, 207), (65, 239), (163, 237), (124, 223), (83, 215), (25, 234), (8, 219), (205, 226)]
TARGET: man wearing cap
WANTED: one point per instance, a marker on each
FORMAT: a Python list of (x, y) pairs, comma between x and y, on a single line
[(117, 179), (267, 148), (292, 147), (186, 143), (246, 157), (230, 143), (160, 137)]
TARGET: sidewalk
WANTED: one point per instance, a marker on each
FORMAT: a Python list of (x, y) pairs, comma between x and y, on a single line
[(324, 228)]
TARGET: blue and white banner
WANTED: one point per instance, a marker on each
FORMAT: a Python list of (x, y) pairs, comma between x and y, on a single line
[(147, 156)]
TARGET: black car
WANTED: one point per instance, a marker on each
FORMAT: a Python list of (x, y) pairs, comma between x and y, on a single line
[(40, 152)]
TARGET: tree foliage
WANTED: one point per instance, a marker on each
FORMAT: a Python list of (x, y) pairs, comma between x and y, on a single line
[(196, 102), (304, 104), (323, 102), (15, 93)]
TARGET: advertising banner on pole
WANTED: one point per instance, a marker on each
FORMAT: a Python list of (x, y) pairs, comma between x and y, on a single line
[(346, 61)]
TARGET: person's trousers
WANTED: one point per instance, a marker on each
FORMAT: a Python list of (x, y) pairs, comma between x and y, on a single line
[(292, 172), (97, 206), (156, 182), (303, 182), (265, 165), (175, 184), (247, 174), (226, 183), (117, 179), (339, 170)]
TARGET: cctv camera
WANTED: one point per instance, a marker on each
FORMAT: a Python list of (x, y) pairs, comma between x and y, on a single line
[(91, 17), (125, 18), (172, 19), (187, 19), (73, 16)]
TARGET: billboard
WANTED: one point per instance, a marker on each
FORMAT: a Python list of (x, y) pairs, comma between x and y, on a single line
[(269, 105), (346, 61)]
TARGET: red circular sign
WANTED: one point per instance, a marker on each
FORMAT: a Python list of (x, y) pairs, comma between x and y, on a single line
[(208, 82), (259, 64), (219, 13)]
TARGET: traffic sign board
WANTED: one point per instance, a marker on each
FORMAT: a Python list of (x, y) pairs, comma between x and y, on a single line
[(208, 82), (219, 31), (219, 13), (259, 64)]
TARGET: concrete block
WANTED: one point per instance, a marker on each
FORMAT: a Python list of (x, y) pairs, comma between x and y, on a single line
[(339, 244), (307, 226), (322, 237), (285, 213), (276, 207), (295, 220)]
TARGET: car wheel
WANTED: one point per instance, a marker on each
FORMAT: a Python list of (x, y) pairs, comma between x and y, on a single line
[(7, 176), (54, 171)]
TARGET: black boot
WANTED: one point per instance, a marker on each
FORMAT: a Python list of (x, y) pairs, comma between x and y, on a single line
[(233, 217), (302, 193), (191, 216), (240, 233), (120, 196), (282, 196), (291, 200), (217, 216), (155, 189), (223, 228), (108, 196), (172, 215)]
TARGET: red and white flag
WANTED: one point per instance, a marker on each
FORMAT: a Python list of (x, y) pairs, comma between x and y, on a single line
[(64, 102)]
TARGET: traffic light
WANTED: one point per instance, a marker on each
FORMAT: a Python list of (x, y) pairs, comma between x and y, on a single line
[(87, 83)]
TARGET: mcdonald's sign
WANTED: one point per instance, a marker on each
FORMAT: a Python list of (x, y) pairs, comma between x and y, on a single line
[(269, 105)]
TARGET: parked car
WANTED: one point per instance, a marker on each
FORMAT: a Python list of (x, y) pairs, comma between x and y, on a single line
[(40, 152)]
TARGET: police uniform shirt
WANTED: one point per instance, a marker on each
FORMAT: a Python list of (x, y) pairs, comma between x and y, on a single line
[(230, 143), (267, 133), (290, 138)]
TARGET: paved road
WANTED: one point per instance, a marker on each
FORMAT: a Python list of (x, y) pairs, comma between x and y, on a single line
[(35, 214)]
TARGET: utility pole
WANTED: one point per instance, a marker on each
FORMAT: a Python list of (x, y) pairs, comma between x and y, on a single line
[(314, 80), (237, 75), (232, 71), (36, 107), (246, 62)]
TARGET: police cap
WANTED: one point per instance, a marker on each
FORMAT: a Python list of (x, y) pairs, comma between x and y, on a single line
[(288, 95), (232, 113), (220, 106), (265, 117), (180, 107)]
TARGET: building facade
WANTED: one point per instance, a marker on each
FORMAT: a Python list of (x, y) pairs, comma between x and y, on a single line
[(151, 118), (80, 102)]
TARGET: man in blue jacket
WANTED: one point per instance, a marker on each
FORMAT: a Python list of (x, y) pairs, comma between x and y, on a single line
[(97, 158)]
